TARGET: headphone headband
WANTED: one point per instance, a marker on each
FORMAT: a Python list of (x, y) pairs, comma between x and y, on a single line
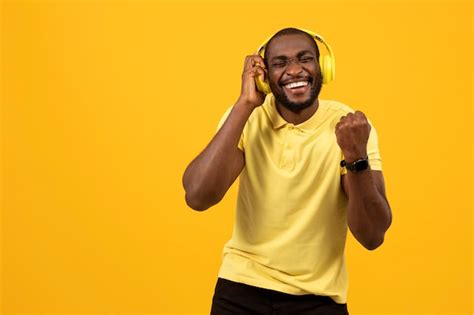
[(317, 37)]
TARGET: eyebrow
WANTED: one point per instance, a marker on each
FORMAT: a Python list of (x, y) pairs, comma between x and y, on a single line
[(301, 53)]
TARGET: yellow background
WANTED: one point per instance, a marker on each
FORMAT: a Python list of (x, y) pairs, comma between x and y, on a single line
[(104, 104)]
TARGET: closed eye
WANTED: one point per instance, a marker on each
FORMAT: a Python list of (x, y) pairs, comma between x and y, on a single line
[(284, 62), (279, 64), (306, 59)]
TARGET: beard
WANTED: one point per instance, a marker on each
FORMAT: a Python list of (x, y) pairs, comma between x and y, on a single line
[(296, 107)]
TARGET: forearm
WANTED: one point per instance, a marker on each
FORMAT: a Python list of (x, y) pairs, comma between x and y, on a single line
[(368, 212), (212, 172)]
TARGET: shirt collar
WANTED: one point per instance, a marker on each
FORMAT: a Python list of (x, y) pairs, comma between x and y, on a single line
[(278, 121)]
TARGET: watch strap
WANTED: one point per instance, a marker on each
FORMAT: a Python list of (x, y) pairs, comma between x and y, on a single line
[(357, 165)]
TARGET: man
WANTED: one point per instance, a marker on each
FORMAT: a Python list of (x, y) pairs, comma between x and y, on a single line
[(286, 254)]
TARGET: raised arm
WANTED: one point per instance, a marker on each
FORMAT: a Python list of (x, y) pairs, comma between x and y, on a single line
[(368, 212), (212, 172)]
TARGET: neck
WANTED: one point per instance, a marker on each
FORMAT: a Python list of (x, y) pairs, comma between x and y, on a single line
[(299, 117)]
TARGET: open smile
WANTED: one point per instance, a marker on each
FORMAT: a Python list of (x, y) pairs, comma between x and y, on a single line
[(298, 87)]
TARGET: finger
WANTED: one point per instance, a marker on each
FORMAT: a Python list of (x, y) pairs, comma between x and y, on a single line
[(350, 118), (341, 123), (361, 118), (258, 64), (260, 69), (360, 114), (258, 60), (248, 63), (251, 60), (257, 70), (254, 60)]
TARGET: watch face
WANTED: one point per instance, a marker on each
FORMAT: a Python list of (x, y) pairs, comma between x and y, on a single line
[(360, 165)]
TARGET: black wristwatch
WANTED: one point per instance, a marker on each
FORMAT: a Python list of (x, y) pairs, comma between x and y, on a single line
[(356, 166)]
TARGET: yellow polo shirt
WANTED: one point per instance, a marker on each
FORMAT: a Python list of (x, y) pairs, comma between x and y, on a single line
[(290, 222)]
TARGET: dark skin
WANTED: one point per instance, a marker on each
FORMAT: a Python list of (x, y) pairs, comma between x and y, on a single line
[(291, 57), (212, 172)]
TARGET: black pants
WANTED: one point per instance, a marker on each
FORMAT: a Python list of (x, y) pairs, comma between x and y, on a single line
[(238, 298)]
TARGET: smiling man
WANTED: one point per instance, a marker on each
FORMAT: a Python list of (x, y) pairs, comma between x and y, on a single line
[(309, 170)]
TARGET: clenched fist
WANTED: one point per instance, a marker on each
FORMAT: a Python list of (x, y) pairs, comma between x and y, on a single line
[(352, 133)]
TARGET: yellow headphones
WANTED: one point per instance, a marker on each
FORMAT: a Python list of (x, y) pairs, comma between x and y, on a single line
[(326, 63)]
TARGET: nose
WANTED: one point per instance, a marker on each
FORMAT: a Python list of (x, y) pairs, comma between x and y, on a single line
[(293, 67)]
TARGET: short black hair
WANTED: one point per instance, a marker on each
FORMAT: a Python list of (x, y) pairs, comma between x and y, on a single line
[(291, 31)]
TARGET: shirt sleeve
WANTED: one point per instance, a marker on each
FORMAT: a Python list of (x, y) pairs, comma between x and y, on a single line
[(375, 161), (240, 145)]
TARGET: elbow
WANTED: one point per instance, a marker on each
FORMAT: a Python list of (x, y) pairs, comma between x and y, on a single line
[(195, 203), (201, 201), (373, 243), (370, 240), (377, 241), (372, 246), (376, 238), (200, 196)]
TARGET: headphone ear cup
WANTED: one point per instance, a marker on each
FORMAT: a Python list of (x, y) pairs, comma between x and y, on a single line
[(262, 85), (327, 70)]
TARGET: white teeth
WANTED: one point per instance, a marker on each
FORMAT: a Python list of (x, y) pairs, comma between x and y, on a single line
[(296, 84)]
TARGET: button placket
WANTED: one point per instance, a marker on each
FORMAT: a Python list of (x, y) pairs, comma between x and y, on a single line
[(288, 154)]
